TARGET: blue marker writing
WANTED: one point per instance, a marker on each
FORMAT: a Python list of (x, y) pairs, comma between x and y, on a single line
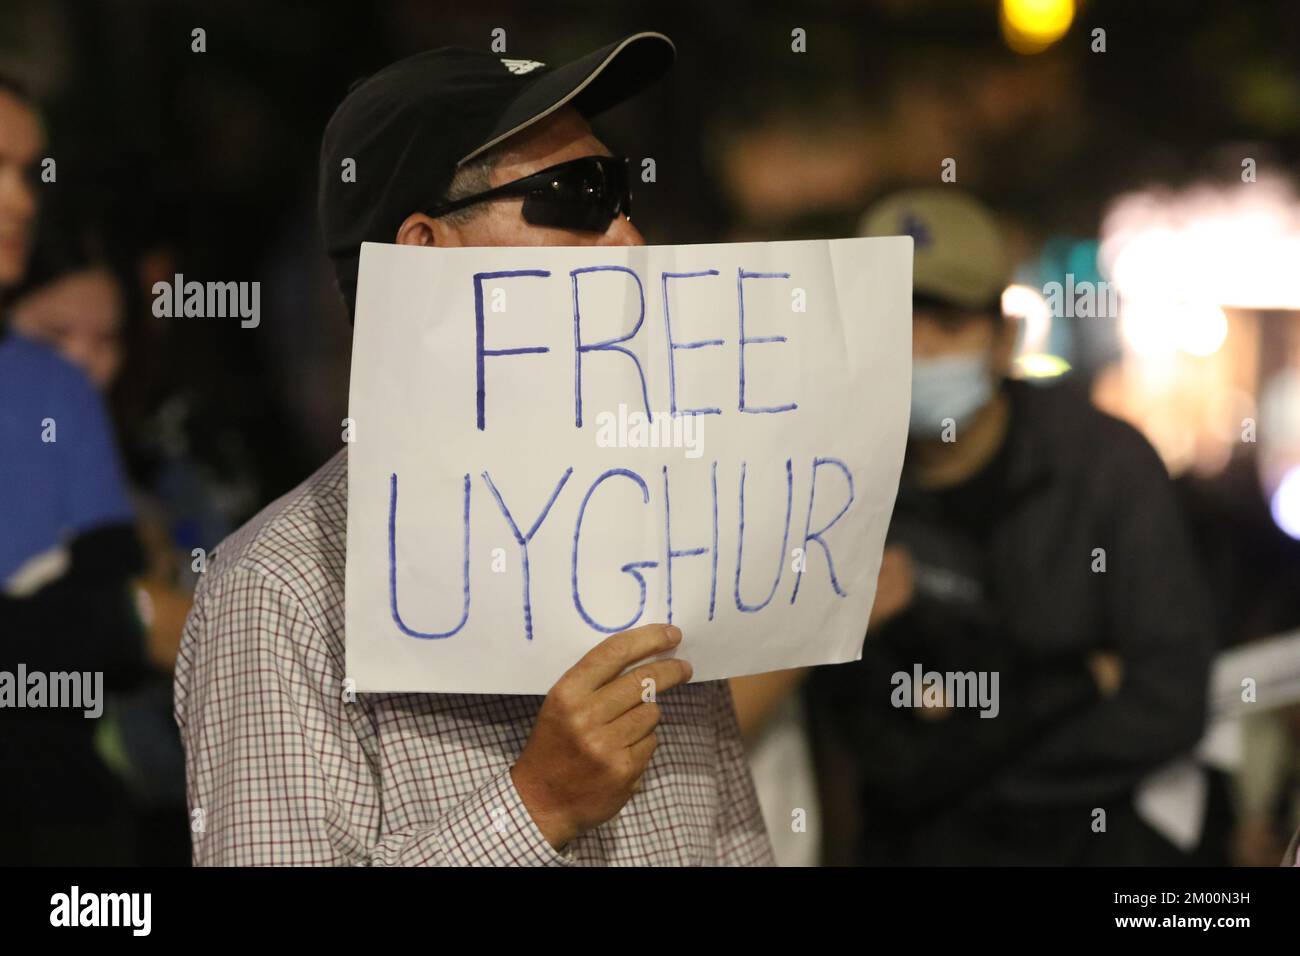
[(523, 539), (633, 569), (692, 552), (785, 538), (392, 568), (609, 345), (817, 535), (741, 276), (479, 351), (674, 346)]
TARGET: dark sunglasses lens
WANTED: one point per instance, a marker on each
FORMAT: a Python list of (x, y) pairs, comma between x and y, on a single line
[(620, 190), (585, 195)]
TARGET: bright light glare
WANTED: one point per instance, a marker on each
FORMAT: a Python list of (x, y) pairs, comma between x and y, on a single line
[(1286, 503), (1154, 327), (1202, 328), (1041, 365), (1149, 328), (1031, 26), (1027, 304), (1234, 245)]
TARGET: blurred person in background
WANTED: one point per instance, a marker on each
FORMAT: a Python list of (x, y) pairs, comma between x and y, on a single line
[(74, 301), (72, 598), (1035, 539), (79, 313), (1253, 569)]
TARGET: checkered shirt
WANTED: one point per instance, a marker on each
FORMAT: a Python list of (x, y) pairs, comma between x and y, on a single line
[(282, 768)]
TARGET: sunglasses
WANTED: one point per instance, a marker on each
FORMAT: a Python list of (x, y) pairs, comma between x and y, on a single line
[(583, 194)]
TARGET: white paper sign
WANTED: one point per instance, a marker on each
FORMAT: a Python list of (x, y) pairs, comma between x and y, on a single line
[(511, 504)]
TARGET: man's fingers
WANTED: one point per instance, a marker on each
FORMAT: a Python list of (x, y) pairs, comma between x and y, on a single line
[(640, 685), (634, 725), (641, 752), (607, 659)]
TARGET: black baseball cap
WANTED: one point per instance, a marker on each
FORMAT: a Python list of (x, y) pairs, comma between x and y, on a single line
[(408, 127)]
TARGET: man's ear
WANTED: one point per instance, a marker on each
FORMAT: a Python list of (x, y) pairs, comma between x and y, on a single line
[(421, 230)]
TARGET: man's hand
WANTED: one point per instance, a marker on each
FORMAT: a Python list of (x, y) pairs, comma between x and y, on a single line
[(893, 587), (595, 733)]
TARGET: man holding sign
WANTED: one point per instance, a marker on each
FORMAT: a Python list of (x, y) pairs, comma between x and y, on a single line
[(498, 548)]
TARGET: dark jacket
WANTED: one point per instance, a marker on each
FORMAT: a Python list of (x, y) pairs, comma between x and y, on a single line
[(1021, 596), (84, 622)]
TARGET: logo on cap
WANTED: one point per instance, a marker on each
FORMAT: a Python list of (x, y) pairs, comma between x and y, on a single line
[(520, 67), (912, 225)]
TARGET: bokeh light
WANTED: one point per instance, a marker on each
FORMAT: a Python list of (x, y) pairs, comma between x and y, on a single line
[(1286, 503), (1031, 26)]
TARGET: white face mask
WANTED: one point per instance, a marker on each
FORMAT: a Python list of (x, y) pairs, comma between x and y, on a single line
[(952, 386)]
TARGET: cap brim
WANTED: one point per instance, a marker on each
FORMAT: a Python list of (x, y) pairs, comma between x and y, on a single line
[(592, 84)]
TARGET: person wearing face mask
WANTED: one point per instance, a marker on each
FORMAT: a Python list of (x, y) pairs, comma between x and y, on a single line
[(1035, 553)]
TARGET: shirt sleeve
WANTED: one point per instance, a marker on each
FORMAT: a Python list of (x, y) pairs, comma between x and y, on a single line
[(742, 834), (276, 774)]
